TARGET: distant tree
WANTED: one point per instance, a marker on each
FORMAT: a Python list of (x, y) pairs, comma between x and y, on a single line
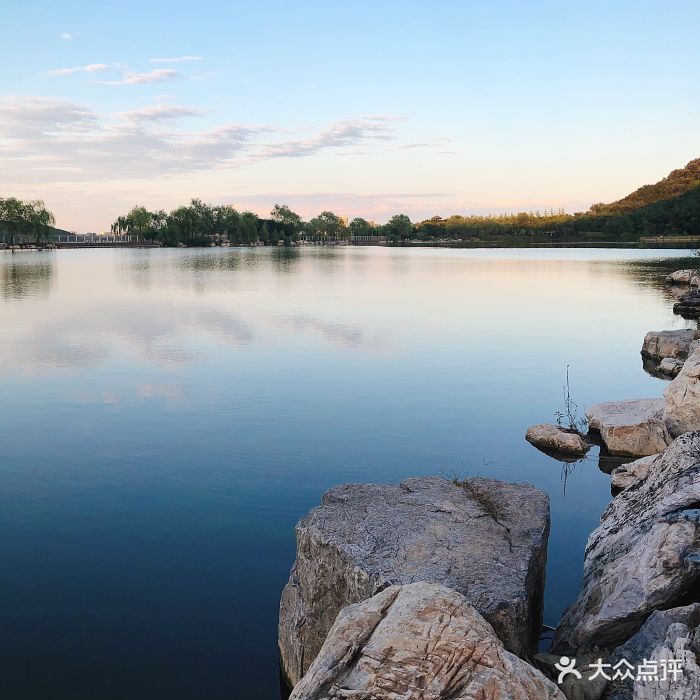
[(28, 218), (361, 227), (326, 224), (398, 227), (282, 214), (40, 220)]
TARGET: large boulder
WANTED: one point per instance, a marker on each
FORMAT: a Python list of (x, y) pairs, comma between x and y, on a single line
[(420, 641), (682, 409), (661, 344), (633, 428), (486, 539), (627, 474), (557, 441), (667, 634), (691, 277), (644, 556)]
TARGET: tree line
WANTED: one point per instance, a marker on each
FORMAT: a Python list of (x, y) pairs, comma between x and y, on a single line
[(27, 219), (199, 223)]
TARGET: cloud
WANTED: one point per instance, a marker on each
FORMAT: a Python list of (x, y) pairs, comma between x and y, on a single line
[(160, 112), (431, 143), (30, 118), (157, 75), (67, 36), (178, 59), (89, 68), (339, 135), (44, 140)]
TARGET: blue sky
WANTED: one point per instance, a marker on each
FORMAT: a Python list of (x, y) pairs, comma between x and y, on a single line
[(366, 108)]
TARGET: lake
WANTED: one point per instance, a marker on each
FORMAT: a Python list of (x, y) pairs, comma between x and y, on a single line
[(168, 415)]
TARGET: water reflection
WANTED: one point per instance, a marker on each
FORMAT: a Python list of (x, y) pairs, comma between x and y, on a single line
[(21, 277), (349, 336)]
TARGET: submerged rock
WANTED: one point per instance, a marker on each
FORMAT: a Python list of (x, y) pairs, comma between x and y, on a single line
[(691, 277), (645, 554), (667, 634), (633, 428), (486, 539), (682, 409), (627, 474), (553, 439), (661, 344), (420, 641)]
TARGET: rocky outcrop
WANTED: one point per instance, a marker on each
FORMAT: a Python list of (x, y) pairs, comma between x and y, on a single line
[(627, 474), (688, 305), (644, 556), (682, 409), (634, 428), (555, 440), (420, 641), (691, 277), (661, 344), (667, 634), (486, 539)]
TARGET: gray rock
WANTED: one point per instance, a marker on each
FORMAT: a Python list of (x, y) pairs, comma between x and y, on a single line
[(486, 539), (661, 344), (666, 634), (627, 474), (644, 556), (633, 428), (420, 641), (688, 305), (691, 277), (682, 395), (671, 366), (552, 438)]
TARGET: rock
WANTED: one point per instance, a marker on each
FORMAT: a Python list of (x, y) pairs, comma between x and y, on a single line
[(682, 409), (691, 277), (633, 428), (644, 555), (627, 474), (667, 634), (552, 438), (688, 305), (661, 344), (670, 366), (420, 641), (486, 539), (574, 688)]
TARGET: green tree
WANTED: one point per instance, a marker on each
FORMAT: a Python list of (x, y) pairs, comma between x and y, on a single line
[(361, 227), (326, 224), (398, 227), (284, 215), (28, 218)]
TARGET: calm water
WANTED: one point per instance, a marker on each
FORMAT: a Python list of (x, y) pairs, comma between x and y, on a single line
[(168, 415)]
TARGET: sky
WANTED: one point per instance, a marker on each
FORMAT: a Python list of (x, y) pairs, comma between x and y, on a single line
[(364, 108)]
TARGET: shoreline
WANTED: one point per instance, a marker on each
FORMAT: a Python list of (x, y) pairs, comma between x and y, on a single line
[(619, 245)]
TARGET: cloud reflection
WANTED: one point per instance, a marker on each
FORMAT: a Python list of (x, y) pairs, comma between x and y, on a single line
[(161, 331), (348, 335)]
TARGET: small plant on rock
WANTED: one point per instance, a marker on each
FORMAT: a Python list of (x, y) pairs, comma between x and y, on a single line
[(568, 418)]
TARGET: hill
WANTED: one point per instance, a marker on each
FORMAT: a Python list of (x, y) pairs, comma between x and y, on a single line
[(673, 185)]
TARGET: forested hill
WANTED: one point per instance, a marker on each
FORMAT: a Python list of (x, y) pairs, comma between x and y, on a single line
[(674, 185)]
